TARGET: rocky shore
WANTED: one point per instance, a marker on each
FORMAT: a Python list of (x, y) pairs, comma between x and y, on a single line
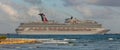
[(17, 41)]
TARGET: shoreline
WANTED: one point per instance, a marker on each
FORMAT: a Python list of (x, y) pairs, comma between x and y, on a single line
[(18, 41)]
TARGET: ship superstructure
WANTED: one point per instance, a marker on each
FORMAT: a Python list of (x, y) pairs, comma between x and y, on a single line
[(71, 26)]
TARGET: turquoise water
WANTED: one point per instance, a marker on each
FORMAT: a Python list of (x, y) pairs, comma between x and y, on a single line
[(82, 42)]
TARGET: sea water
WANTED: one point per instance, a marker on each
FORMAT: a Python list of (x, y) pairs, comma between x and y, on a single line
[(82, 42)]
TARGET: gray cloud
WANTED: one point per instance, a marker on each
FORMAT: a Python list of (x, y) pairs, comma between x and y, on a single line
[(93, 2), (34, 2), (108, 2)]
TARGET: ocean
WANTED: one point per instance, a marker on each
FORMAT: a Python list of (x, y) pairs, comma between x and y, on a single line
[(81, 42)]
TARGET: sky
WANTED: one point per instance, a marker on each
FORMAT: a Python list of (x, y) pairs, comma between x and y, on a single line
[(13, 12)]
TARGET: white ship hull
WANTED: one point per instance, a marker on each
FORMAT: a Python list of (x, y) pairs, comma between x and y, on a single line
[(60, 33), (99, 31)]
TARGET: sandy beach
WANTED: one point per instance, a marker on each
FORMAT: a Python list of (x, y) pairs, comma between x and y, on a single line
[(17, 41)]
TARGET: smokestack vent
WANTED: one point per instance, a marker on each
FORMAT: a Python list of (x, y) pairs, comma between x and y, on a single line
[(43, 17)]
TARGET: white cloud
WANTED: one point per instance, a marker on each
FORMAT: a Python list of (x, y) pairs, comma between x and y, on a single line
[(33, 11), (9, 10), (85, 11)]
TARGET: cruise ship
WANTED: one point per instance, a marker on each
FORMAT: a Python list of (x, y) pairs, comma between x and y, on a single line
[(71, 26)]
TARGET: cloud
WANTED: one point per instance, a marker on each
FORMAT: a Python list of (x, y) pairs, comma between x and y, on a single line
[(34, 2), (108, 2), (9, 10), (33, 11), (78, 2), (93, 2), (84, 10)]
